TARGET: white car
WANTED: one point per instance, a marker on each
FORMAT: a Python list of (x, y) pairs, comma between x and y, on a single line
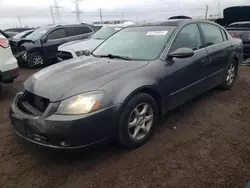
[(8, 63), (79, 48)]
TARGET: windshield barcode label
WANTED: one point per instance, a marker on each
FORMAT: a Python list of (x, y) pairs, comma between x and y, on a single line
[(157, 32)]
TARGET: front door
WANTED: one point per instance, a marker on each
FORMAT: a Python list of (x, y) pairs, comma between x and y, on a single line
[(54, 39), (188, 75)]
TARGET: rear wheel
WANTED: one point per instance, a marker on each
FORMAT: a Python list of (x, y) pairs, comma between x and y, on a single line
[(137, 121), (35, 60), (230, 75)]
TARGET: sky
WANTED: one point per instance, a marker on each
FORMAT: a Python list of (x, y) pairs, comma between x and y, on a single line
[(37, 12)]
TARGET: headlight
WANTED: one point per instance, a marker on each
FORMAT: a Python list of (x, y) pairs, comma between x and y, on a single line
[(80, 104), (80, 53)]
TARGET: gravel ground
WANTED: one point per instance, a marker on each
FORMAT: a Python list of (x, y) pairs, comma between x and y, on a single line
[(205, 143)]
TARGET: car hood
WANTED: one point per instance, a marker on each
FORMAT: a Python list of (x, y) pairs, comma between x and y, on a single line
[(89, 45), (76, 76)]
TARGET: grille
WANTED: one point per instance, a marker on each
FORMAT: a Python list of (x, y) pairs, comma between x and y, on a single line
[(64, 55), (33, 104)]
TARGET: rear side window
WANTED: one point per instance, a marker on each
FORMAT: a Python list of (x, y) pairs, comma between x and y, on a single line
[(73, 31), (57, 34), (211, 33), (224, 34), (188, 37)]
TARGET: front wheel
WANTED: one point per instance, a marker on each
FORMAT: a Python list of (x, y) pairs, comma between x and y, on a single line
[(137, 121), (35, 60), (230, 75)]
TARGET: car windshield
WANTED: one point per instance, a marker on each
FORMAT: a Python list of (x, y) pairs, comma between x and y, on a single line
[(105, 32), (138, 43), (20, 35), (38, 34)]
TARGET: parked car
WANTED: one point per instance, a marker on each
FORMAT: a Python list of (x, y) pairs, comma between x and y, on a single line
[(40, 47), (23, 34), (16, 39), (241, 30), (18, 29), (14, 31), (79, 48), (8, 63), (133, 78)]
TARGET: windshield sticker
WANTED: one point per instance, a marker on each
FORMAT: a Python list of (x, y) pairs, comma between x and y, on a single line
[(118, 29), (156, 33)]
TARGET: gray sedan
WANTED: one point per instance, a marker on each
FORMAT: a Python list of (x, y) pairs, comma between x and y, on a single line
[(128, 83)]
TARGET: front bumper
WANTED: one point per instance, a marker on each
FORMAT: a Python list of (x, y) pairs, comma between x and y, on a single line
[(63, 131), (9, 76)]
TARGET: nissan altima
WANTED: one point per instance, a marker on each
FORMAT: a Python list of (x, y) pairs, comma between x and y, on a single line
[(125, 85)]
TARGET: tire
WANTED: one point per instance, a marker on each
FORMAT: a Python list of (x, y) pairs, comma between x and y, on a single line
[(35, 60), (226, 84), (142, 124)]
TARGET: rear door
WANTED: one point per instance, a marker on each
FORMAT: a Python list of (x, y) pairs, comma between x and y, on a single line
[(219, 48), (54, 39), (188, 76)]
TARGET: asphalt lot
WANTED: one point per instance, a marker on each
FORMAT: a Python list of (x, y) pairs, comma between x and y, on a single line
[(205, 143)]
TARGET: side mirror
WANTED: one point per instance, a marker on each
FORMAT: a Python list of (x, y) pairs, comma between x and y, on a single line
[(182, 53), (44, 40)]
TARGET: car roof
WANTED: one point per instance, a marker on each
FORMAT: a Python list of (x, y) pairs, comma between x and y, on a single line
[(68, 25), (174, 22), (117, 25)]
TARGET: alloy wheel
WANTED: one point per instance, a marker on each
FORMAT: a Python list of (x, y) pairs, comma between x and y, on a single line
[(37, 60), (140, 121), (231, 73)]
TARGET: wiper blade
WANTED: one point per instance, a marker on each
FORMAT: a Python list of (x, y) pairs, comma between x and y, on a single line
[(111, 56)]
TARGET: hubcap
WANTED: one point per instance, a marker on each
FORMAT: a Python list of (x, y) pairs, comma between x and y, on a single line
[(37, 60), (231, 74), (140, 121), (24, 56)]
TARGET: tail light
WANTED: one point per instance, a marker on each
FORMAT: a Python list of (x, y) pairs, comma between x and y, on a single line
[(234, 35), (4, 43)]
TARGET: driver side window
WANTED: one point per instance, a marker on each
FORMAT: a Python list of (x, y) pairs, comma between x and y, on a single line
[(188, 37), (57, 34)]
